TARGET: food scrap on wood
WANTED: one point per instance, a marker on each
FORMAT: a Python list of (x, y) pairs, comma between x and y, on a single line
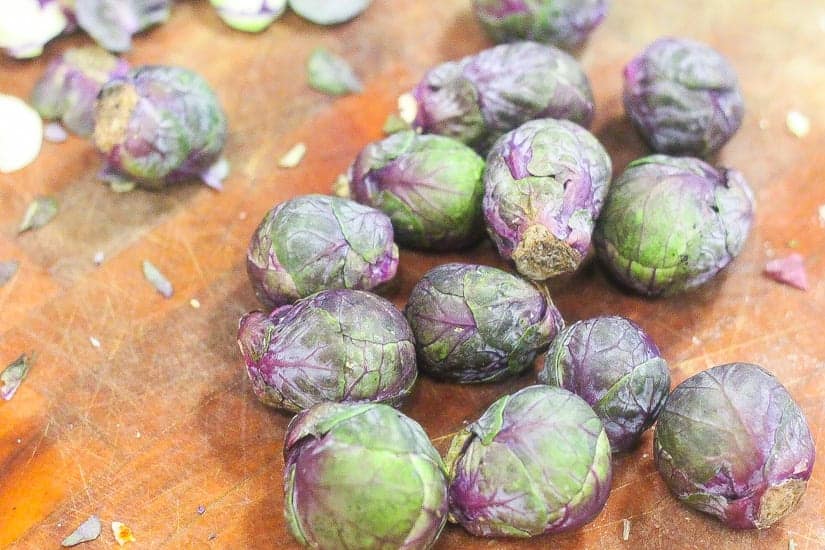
[(13, 375), (789, 270), (88, 531)]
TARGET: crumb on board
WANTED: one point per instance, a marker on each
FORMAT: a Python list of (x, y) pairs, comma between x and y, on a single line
[(294, 156), (123, 533), (94, 342), (201, 510), (407, 108), (798, 124), (98, 257), (821, 212), (195, 303), (625, 529)]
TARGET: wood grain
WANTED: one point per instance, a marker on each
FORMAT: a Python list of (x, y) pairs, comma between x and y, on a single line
[(160, 419)]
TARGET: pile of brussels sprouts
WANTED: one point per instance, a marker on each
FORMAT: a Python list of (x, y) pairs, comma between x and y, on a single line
[(499, 143)]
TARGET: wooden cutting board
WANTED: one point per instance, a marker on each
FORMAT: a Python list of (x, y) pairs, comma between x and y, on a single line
[(160, 419)]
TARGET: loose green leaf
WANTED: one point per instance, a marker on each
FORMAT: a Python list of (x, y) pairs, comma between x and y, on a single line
[(395, 123), (40, 212), (89, 530), (7, 270), (13, 375), (331, 74), (157, 279)]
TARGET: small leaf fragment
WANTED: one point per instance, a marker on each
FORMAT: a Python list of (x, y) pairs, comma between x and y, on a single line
[(13, 375), (98, 257), (201, 510), (123, 533), (94, 342), (88, 531), (331, 74), (121, 185), (214, 175), (39, 212), (8, 269), (625, 529), (821, 212), (341, 186), (293, 157), (798, 124), (394, 124), (157, 279), (789, 270)]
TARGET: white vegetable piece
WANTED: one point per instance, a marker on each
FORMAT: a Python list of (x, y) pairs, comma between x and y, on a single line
[(329, 12), (21, 134)]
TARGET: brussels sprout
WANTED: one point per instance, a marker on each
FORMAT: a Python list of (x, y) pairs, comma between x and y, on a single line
[(429, 186), (336, 345), (543, 189), (478, 98), (249, 15), (564, 23), (27, 25), (613, 365), (474, 323), (326, 12), (683, 97), (536, 462), (670, 224), (314, 243), (68, 89), (732, 442), (113, 22), (159, 125), (362, 476)]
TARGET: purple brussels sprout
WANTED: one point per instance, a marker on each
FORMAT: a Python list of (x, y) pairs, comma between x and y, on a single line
[(683, 97), (27, 25), (563, 23), (544, 187), (536, 462), (68, 89), (474, 323), (670, 224), (362, 476), (315, 242), (731, 442), (429, 186), (613, 365), (249, 15), (159, 125), (112, 23), (336, 345), (480, 97)]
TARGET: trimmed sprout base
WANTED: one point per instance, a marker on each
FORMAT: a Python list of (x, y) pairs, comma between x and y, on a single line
[(21, 134), (329, 12)]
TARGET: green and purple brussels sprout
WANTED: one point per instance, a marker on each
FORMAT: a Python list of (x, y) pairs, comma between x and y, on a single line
[(429, 186), (112, 23), (249, 15), (536, 462), (683, 97), (474, 323), (477, 99), (315, 242), (363, 477), (27, 25), (159, 125), (329, 12), (563, 23), (671, 223), (68, 89), (731, 442), (336, 345), (544, 187), (613, 365)]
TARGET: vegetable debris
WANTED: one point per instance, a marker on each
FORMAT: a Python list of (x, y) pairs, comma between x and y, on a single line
[(89, 530), (293, 157), (13, 375), (39, 212), (157, 279), (123, 533), (331, 74), (8, 269), (789, 270)]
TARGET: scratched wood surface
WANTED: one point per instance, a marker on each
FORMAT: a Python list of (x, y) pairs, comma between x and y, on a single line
[(160, 419)]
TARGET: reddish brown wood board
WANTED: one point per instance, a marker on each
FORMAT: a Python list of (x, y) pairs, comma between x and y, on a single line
[(161, 420)]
